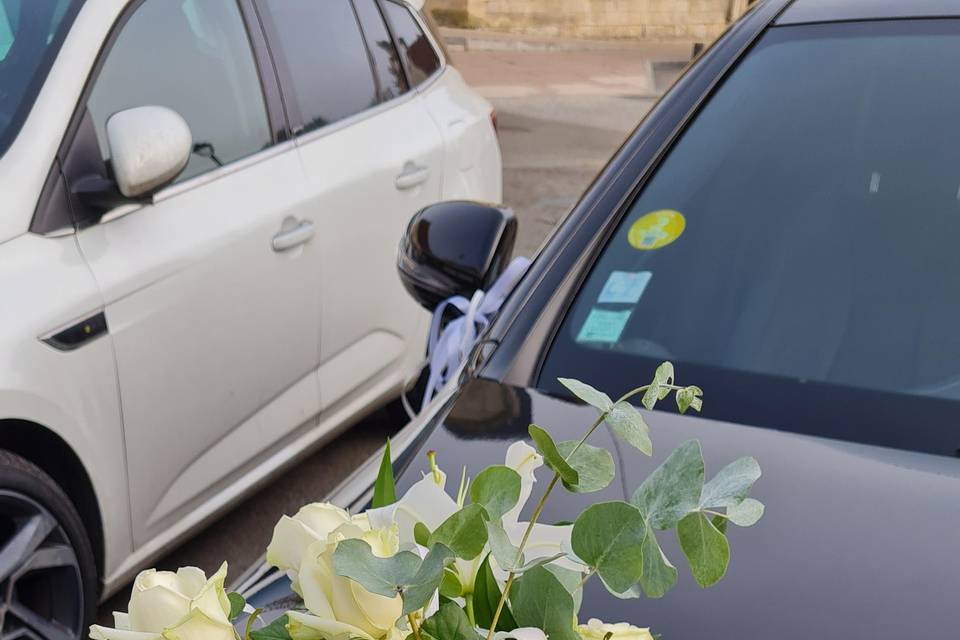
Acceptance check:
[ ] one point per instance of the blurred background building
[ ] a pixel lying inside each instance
(701, 20)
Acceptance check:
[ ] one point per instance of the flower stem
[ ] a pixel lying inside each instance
(543, 500)
(413, 626)
(468, 598)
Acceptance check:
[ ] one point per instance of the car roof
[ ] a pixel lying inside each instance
(805, 11)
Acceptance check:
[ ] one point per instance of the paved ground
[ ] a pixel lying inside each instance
(562, 113)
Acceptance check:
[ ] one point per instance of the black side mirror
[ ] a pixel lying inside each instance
(454, 248)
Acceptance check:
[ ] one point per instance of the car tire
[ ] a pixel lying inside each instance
(48, 575)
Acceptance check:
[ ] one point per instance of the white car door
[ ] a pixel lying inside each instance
(212, 291)
(373, 157)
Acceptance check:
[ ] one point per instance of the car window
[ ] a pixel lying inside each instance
(418, 54)
(386, 61)
(804, 228)
(31, 32)
(322, 47)
(194, 57)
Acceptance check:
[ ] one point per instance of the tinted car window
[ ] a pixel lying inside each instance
(418, 54)
(803, 230)
(31, 32)
(194, 57)
(386, 61)
(323, 49)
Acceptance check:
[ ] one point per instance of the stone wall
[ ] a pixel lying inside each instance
(653, 19)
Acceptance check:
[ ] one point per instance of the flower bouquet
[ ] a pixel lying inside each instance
(434, 565)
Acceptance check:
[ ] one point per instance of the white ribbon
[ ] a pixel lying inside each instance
(449, 348)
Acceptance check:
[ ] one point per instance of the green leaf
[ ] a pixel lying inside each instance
(384, 489)
(497, 489)
(745, 513)
(554, 459)
(428, 578)
(731, 484)
(449, 623)
(403, 573)
(486, 597)
(706, 549)
(421, 534)
(588, 394)
(508, 556)
(450, 586)
(571, 580)
(609, 537)
(659, 575)
(629, 425)
(463, 532)
(594, 466)
(540, 600)
(276, 630)
(689, 397)
(237, 603)
(720, 523)
(658, 389)
(673, 489)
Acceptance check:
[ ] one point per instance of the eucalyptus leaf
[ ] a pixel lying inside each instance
(745, 513)
(497, 489)
(552, 456)
(627, 422)
(609, 537)
(384, 489)
(588, 394)
(486, 597)
(384, 576)
(449, 623)
(673, 489)
(276, 630)
(689, 397)
(403, 573)
(571, 580)
(594, 466)
(540, 600)
(428, 578)
(463, 532)
(508, 556)
(658, 389)
(659, 575)
(731, 484)
(237, 603)
(705, 547)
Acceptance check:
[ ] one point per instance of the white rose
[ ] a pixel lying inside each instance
(312, 523)
(597, 630)
(173, 606)
(339, 606)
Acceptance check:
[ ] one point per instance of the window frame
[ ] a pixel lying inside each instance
(78, 151)
(438, 48)
(288, 91)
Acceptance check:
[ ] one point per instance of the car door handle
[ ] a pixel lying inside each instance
(412, 176)
(293, 237)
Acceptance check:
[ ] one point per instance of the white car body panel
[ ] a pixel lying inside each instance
(225, 360)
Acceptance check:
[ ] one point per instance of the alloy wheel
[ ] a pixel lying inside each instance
(41, 588)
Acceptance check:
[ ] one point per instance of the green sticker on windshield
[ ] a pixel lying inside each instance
(603, 326)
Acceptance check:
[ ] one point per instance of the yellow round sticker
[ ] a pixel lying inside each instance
(656, 229)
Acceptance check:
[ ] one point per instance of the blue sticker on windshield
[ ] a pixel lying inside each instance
(603, 326)
(625, 287)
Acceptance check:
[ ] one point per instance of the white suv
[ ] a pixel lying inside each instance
(200, 204)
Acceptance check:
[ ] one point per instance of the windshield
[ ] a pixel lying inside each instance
(801, 239)
(31, 32)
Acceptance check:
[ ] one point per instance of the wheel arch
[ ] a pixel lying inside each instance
(56, 458)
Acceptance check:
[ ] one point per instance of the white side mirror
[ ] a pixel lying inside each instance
(149, 147)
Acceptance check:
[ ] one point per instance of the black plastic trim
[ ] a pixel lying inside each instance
(79, 333)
